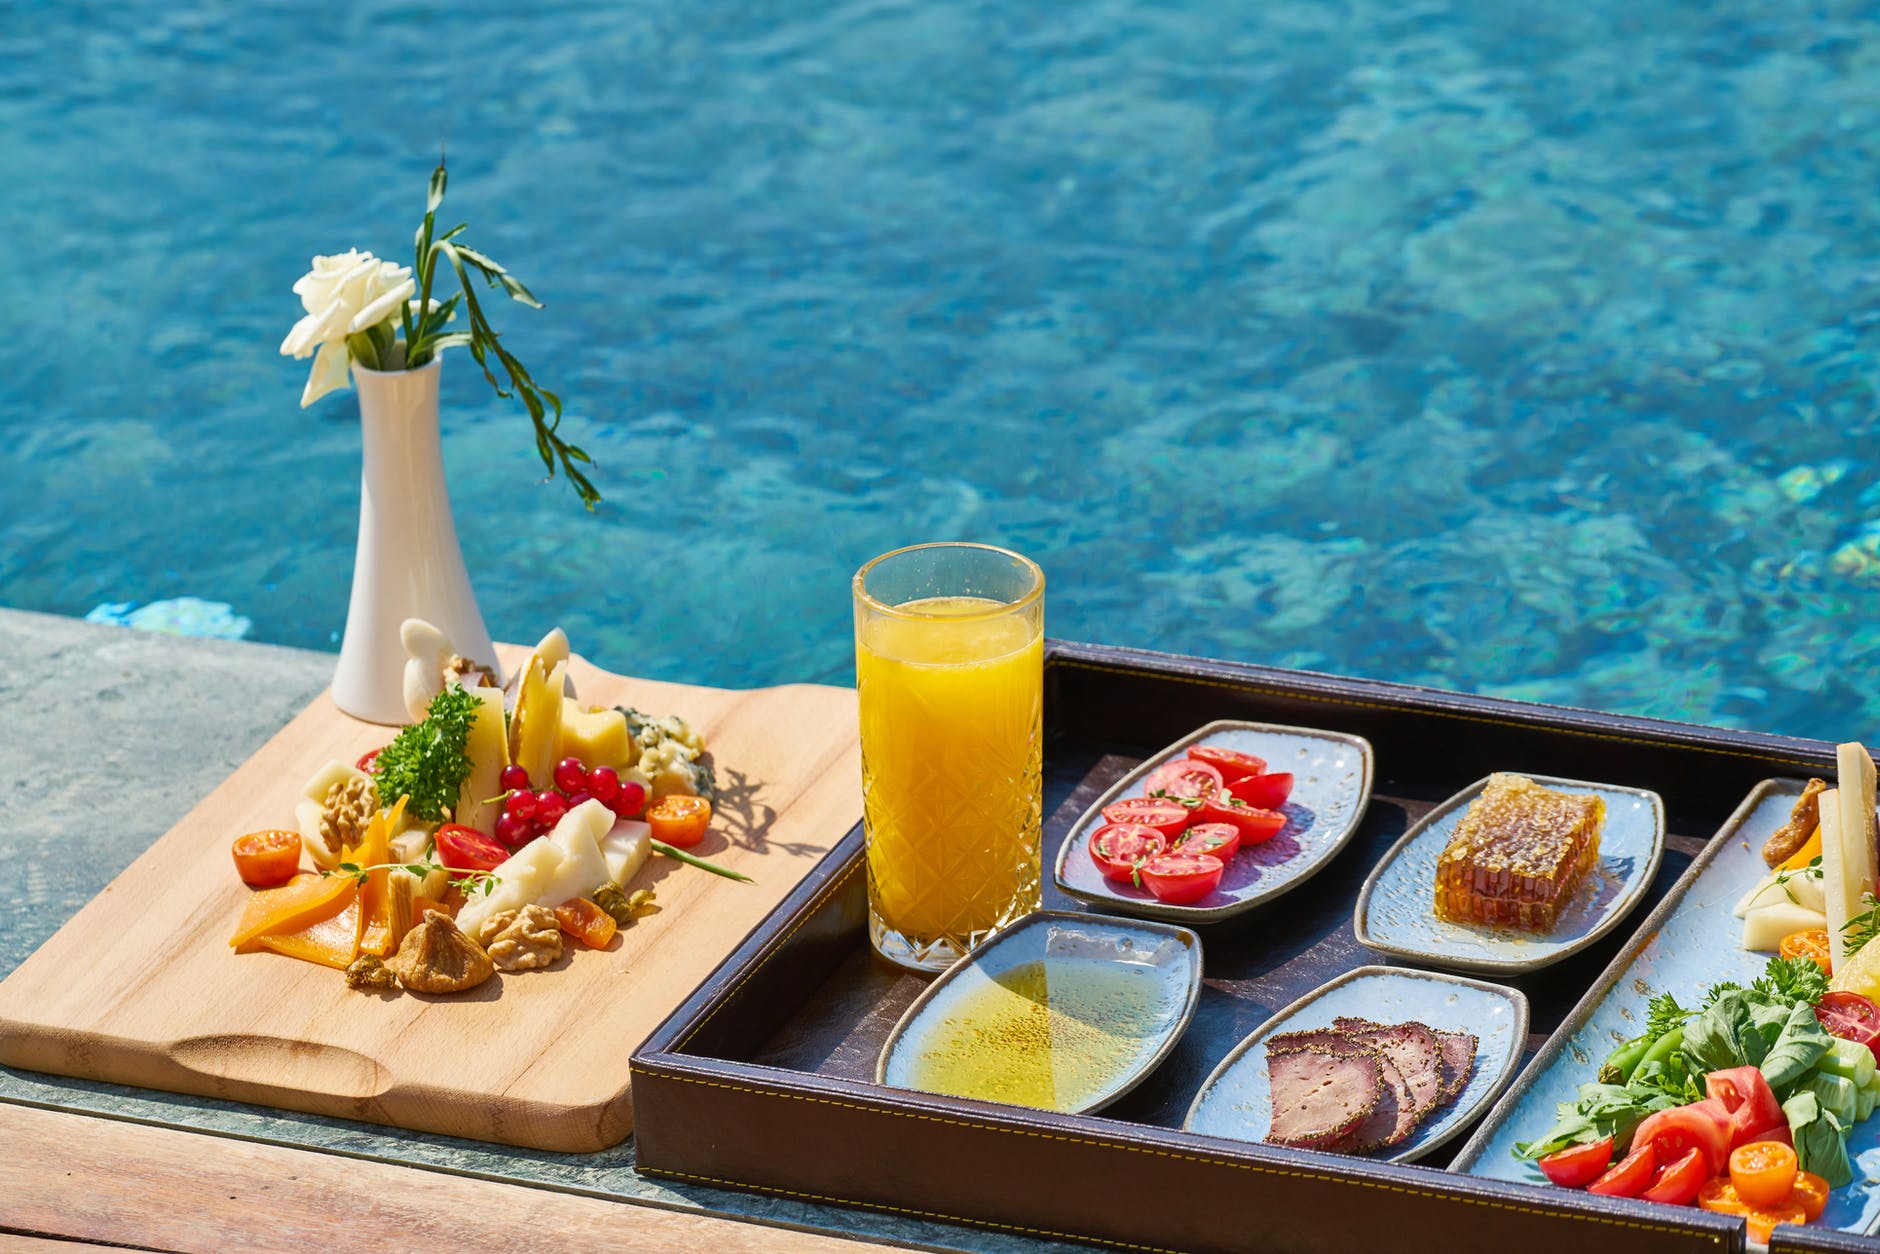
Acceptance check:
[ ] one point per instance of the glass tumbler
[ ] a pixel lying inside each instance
(949, 671)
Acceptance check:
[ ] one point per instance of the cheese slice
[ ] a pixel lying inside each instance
(519, 881)
(1798, 888)
(626, 848)
(1766, 925)
(1848, 861)
(536, 731)
(479, 799)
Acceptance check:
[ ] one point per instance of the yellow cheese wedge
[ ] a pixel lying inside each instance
(535, 733)
(488, 750)
(597, 737)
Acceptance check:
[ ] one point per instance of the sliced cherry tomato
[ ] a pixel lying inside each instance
(1763, 1172)
(1180, 880)
(1677, 1185)
(1170, 818)
(1255, 826)
(1184, 779)
(1264, 792)
(1762, 1220)
(1216, 840)
(369, 759)
(1676, 1132)
(1811, 944)
(679, 820)
(1750, 1102)
(1119, 848)
(586, 922)
(1631, 1176)
(1719, 1195)
(1850, 1017)
(1811, 1194)
(1231, 763)
(466, 849)
(1578, 1165)
(266, 859)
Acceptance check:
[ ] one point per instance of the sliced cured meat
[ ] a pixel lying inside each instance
(1415, 1049)
(1458, 1062)
(1394, 1118)
(1319, 1097)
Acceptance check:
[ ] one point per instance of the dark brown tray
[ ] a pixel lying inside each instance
(763, 1078)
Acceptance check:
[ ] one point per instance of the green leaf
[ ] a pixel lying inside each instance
(517, 291)
(1800, 1045)
(451, 339)
(363, 350)
(480, 261)
(436, 197)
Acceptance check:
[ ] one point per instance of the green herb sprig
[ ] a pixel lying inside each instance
(1662, 1014)
(1792, 980)
(426, 335)
(1860, 929)
(427, 762)
(468, 883)
(660, 846)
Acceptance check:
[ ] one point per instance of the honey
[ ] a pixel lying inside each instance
(1518, 855)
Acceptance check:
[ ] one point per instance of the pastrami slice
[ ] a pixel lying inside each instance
(1458, 1062)
(1319, 1096)
(1395, 1116)
(1415, 1049)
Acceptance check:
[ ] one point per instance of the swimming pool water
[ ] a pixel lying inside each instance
(1517, 348)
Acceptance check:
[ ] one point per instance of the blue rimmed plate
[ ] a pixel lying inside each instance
(1152, 984)
(1396, 908)
(1331, 786)
(1236, 1101)
(1691, 941)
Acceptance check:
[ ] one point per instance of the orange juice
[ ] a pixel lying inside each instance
(952, 696)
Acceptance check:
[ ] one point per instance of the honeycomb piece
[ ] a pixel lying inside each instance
(1518, 854)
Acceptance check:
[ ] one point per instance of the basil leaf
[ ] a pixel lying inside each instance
(1800, 1045)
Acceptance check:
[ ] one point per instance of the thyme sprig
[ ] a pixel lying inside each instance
(468, 883)
(1860, 929)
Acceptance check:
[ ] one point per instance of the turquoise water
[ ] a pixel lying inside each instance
(1517, 348)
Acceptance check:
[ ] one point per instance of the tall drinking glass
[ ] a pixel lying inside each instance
(949, 667)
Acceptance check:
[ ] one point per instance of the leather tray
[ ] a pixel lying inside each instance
(762, 1079)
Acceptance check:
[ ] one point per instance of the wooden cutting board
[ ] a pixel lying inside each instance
(141, 988)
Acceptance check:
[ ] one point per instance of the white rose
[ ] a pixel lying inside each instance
(342, 295)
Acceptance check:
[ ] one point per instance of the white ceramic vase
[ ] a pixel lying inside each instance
(408, 563)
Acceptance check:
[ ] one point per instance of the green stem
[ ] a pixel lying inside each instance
(660, 846)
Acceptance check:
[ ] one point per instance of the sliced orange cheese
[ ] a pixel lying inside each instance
(376, 935)
(331, 942)
(303, 900)
(1810, 850)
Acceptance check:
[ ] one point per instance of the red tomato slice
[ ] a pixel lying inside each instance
(1170, 818)
(466, 849)
(1231, 763)
(1676, 1132)
(1631, 1176)
(1850, 1017)
(1119, 848)
(1183, 779)
(1216, 840)
(369, 759)
(1253, 825)
(1264, 792)
(1677, 1185)
(1752, 1104)
(1178, 880)
(1578, 1165)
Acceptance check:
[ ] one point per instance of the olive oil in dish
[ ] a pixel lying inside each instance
(1056, 1034)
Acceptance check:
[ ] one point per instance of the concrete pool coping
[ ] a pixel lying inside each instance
(112, 735)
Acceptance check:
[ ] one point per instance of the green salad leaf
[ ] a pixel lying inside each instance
(1820, 1141)
(1799, 1045)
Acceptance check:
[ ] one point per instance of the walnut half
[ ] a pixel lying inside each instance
(347, 809)
(436, 957)
(521, 940)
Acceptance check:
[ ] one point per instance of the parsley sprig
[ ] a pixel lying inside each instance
(1662, 1014)
(427, 761)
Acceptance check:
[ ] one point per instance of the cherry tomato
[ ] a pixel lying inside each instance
(369, 759)
(586, 922)
(1752, 1106)
(1850, 1017)
(266, 859)
(1811, 944)
(1168, 817)
(1763, 1172)
(1183, 779)
(1811, 1194)
(1676, 1132)
(679, 820)
(1216, 840)
(466, 849)
(1719, 1195)
(1631, 1176)
(1178, 880)
(1578, 1165)
(1677, 1185)
(1762, 1220)
(1264, 792)
(1255, 826)
(1231, 763)
(1119, 848)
